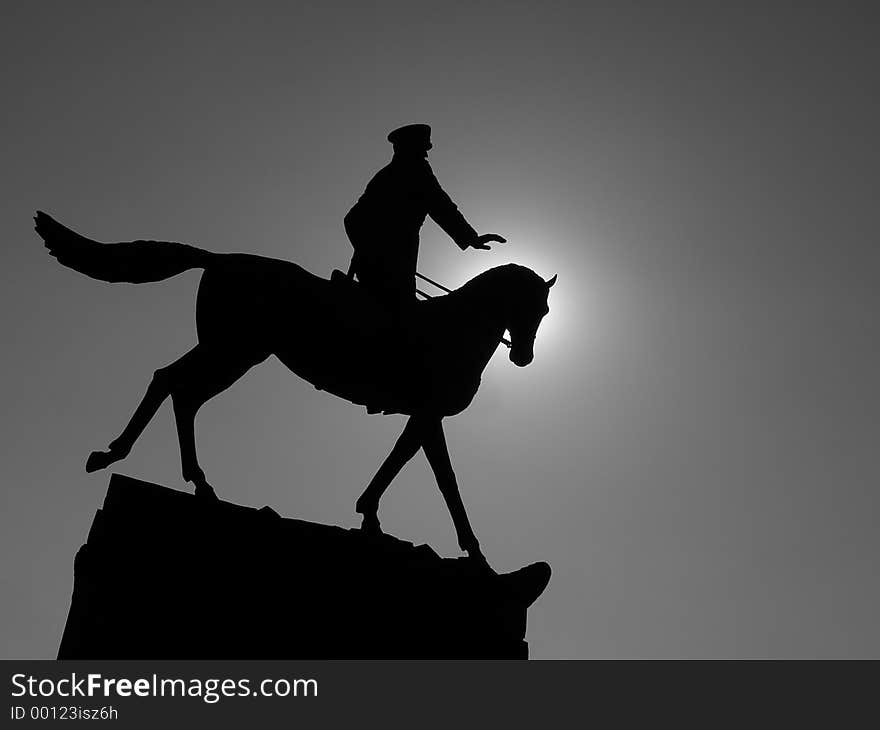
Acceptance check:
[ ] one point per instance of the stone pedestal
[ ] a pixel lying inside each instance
(166, 575)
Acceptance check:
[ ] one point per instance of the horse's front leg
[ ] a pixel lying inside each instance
(407, 445)
(434, 443)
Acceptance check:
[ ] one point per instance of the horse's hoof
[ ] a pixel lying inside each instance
(482, 566)
(206, 491)
(100, 460)
(370, 525)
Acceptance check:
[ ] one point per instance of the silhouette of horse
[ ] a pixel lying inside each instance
(425, 363)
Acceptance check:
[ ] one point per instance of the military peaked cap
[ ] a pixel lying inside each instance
(415, 135)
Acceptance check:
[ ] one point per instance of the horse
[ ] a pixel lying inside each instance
(424, 361)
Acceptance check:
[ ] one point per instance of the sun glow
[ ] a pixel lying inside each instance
(563, 300)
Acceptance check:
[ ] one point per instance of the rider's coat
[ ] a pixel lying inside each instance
(383, 225)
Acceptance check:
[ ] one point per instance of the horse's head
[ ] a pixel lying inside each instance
(527, 306)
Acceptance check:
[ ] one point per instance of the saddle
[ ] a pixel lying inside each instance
(379, 358)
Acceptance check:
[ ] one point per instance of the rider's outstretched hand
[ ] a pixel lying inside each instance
(482, 242)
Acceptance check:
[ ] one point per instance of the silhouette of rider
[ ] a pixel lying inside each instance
(383, 225)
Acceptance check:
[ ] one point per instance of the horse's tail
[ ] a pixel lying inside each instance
(134, 262)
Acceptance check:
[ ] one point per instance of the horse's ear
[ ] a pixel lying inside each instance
(551, 282)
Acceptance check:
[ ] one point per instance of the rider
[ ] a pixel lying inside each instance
(383, 225)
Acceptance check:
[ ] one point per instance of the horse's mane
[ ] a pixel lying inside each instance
(491, 282)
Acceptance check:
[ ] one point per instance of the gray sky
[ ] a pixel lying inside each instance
(694, 449)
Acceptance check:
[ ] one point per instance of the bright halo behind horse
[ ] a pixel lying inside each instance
(552, 331)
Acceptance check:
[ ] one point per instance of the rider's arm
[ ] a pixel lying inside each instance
(446, 214)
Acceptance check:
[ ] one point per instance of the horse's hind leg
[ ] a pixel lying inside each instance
(198, 376)
(158, 390)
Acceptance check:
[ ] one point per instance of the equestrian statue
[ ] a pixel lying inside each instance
(368, 341)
